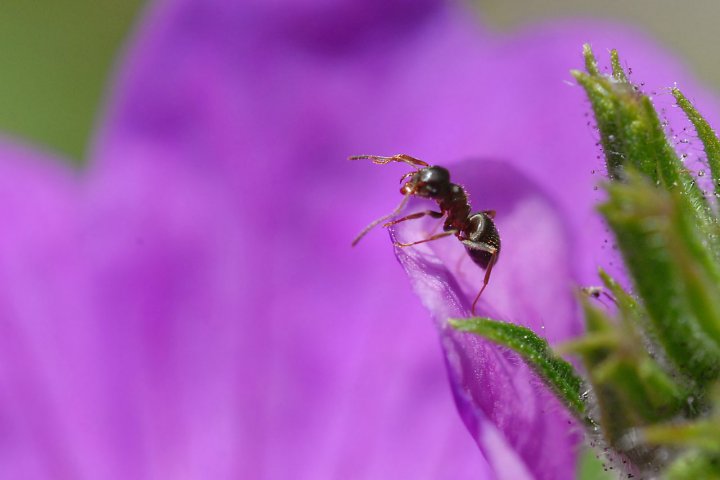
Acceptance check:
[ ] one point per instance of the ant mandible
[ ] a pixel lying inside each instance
(476, 231)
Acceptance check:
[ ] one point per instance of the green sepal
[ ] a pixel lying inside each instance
(698, 439)
(630, 388)
(643, 386)
(651, 362)
(614, 418)
(624, 300)
(631, 312)
(592, 466)
(702, 434)
(632, 135)
(673, 271)
(557, 373)
(706, 134)
(591, 65)
(694, 465)
(617, 71)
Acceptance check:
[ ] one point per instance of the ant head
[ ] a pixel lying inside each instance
(428, 182)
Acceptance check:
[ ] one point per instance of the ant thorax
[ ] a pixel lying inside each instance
(457, 208)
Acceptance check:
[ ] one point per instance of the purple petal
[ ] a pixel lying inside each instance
(506, 408)
(194, 309)
(41, 312)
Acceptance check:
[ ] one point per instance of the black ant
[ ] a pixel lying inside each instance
(476, 231)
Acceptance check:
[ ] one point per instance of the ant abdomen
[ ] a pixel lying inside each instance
(481, 229)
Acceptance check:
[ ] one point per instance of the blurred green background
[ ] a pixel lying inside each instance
(56, 56)
(688, 29)
(55, 59)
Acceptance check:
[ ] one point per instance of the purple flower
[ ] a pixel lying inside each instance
(189, 307)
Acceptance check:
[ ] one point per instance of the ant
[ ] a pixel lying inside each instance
(476, 231)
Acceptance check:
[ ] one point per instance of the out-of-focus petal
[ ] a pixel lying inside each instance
(42, 314)
(506, 408)
(336, 376)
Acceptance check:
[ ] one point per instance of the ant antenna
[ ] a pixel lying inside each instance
(397, 210)
(400, 157)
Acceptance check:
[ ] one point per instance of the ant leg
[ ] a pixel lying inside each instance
(437, 225)
(488, 270)
(415, 215)
(429, 239)
(397, 210)
(490, 266)
(400, 157)
(459, 263)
